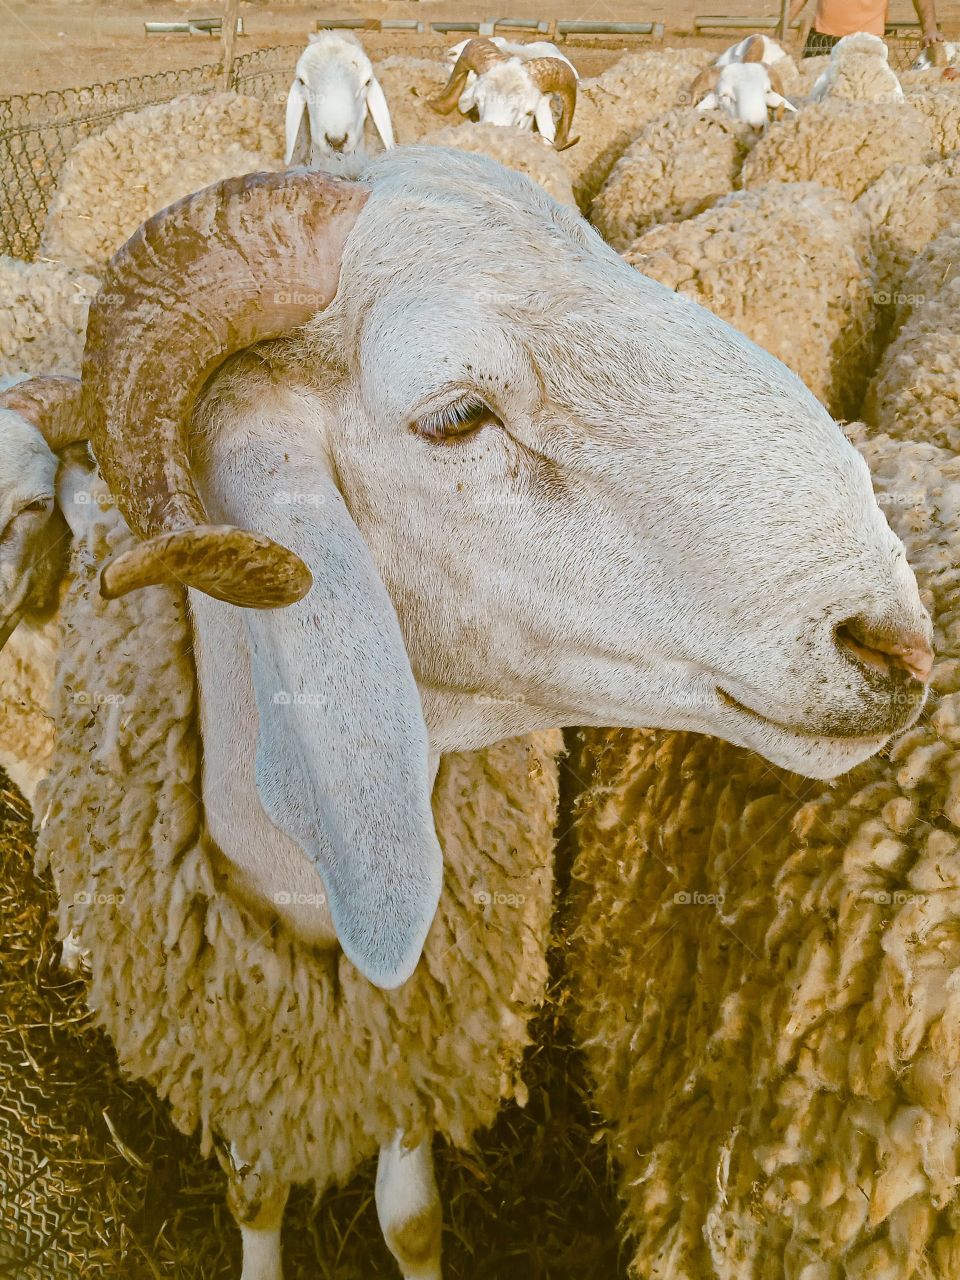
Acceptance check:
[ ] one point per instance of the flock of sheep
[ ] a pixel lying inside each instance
(762, 972)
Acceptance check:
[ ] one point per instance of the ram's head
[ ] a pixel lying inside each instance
(489, 479)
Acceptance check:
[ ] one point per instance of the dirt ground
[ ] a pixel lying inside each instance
(51, 44)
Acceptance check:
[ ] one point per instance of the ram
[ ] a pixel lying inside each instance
(263, 917)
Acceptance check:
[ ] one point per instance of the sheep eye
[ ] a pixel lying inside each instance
(456, 420)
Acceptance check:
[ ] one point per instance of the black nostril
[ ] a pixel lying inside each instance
(886, 649)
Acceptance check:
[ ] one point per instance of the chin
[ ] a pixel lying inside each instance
(813, 757)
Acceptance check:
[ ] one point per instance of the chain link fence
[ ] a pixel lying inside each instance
(38, 130)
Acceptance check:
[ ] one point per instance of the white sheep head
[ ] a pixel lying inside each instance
(491, 480)
(511, 91)
(744, 90)
(333, 90)
(37, 417)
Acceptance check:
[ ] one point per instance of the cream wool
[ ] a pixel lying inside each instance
(681, 163)
(942, 110)
(115, 180)
(791, 266)
(846, 145)
(286, 1052)
(910, 205)
(407, 83)
(858, 71)
(614, 107)
(764, 976)
(516, 148)
(915, 394)
(43, 316)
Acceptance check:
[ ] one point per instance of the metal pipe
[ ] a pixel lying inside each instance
(589, 28)
(741, 24)
(195, 27)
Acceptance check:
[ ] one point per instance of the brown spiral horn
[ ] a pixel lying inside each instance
(242, 261)
(477, 56)
(553, 75)
(52, 403)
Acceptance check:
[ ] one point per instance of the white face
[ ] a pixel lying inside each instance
(30, 527)
(505, 95)
(743, 91)
(335, 80)
(596, 502)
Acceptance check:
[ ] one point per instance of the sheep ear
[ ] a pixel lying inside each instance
(342, 763)
(778, 100)
(709, 103)
(297, 120)
(380, 112)
(544, 118)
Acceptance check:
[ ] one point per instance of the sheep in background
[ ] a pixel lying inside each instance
(614, 107)
(763, 975)
(43, 316)
(755, 48)
(762, 490)
(746, 91)
(409, 84)
(509, 90)
(907, 207)
(525, 52)
(915, 393)
(678, 166)
(933, 58)
(812, 308)
(334, 90)
(515, 148)
(858, 71)
(846, 145)
(114, 180)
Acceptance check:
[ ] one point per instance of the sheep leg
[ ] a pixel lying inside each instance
(408, 1206)
(256, 1200)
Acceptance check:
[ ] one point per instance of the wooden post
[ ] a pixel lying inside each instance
(783, 30)
(228, 34)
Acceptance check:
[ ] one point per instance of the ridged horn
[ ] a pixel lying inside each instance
(477, 56)
(242, 261)
(553, 75)
(52, 403)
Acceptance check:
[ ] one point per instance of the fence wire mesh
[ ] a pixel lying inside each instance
(38, 130)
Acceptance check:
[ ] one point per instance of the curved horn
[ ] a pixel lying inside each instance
(553, 75)
(477, 56)
(52, 403)
(706, 82)
(242, 261)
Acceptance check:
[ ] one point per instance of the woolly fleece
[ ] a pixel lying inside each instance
(811, 307)
(43, 316)
(115, 180)
(764, 974)
(681, 163)
(285, 1051)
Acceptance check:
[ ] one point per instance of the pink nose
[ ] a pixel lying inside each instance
(884, 650)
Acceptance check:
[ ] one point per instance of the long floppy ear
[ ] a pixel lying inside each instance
(342, 751)
(380, 112)
(544, 118)
(342, 762)
(775, 100)
(709, 103)
(297, 126)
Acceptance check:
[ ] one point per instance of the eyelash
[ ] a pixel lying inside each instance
(456, 420)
